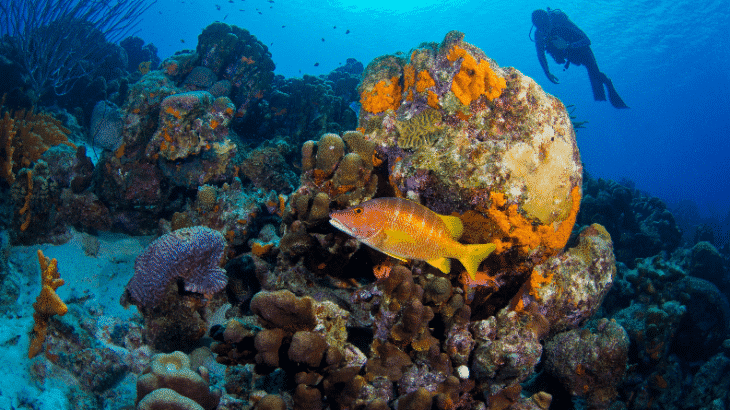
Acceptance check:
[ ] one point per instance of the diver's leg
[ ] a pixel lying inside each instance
(584, 56)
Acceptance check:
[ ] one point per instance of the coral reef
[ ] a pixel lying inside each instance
(193, 124)
(640, 225)
(575, 281)
(34, 196)
(303, 316)
(591, 361)
(233, 54)
(304, 108)
(47, 304)
(267, 168)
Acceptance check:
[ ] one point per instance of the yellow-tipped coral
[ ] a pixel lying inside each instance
(474, 79)
(46, 304)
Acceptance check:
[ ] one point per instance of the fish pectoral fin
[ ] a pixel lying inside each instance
(394, 237)
(442, 264)
(453, 225)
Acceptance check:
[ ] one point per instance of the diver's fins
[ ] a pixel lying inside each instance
(613, 96)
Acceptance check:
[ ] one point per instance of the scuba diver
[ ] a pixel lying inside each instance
(567, 44)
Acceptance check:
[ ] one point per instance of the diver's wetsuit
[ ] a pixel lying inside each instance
(567, 43)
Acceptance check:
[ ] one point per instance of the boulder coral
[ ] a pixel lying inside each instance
(334, 169)
(172, 371)
(590, 362)
(234, 54)
(459, 133)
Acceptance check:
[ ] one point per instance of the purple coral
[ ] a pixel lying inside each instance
(192, 254)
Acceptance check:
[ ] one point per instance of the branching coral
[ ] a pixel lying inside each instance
(46, 304)
(474, 79)
(53, 41)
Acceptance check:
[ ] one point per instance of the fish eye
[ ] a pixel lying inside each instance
(357, 210)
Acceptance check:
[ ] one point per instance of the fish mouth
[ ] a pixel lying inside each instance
(339, 225)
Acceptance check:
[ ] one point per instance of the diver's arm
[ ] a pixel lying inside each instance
(540, 47)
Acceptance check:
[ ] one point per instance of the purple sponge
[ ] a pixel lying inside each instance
(192, 254)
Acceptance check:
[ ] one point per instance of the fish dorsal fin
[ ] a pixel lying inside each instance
(453, 225)
(442, 264)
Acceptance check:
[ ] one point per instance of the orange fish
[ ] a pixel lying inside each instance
(407, 230)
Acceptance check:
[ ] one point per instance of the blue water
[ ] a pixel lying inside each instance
(668, 60)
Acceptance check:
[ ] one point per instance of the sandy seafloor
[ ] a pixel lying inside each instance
(95, 282)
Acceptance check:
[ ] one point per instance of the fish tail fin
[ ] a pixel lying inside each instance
(473, 255)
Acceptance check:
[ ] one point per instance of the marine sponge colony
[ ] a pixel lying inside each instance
(301, 315)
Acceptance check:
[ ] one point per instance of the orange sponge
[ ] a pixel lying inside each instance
(384, 96)
(474, 79)
(528, 237)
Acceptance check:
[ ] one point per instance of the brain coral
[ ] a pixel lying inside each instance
(191, 254)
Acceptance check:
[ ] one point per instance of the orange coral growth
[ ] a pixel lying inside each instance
(166, 135)
(660, 382)
(261, 250)
(433, 99)
(7, 132)
(144, 67)
(282, 205)
(119, 153)
(171, 68)
(175, 113)
(26, 206)
(385, 96)
(474, 79)
(461, 116)
(213, 124)
(46, 304)
(409, 80)
(24, 136)
(424, 81)
(528, 236)
(537, 281)
(382, 271)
